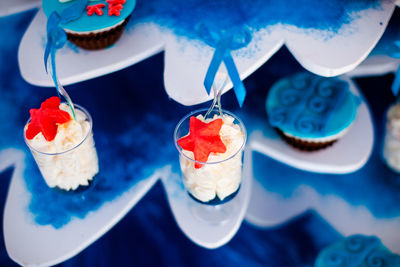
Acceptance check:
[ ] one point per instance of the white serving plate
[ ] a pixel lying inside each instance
(332, 56)
(337, 159)
(74, 64)
(270, 209)
(326, 56)
(31, 244)
(43, 245)
(375, 65)
(191, 216)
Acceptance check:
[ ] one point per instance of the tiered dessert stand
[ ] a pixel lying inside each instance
(318, 55)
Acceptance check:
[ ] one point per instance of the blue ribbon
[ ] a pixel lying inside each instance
(396, 83)
(56, 36)
(224, 42)
(395, 52)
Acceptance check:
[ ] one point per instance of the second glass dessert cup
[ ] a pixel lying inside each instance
(73, 168)
(213, 185)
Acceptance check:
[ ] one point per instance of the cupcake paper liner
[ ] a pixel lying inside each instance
(304, 145)
(100, 40)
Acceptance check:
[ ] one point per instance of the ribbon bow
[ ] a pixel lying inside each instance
(56, 36)
(224, 42)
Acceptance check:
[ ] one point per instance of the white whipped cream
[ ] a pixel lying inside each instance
(391, 148)
(216, 179)
(66, 162)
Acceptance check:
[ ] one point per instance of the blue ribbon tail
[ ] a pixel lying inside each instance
(396, 83)
(213, 68)
(51, 28)
(238, 86)
(53, 70)
(47, 53)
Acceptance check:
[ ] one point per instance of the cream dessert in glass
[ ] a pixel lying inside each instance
(211, 153)
(63, 147)
(391, 145)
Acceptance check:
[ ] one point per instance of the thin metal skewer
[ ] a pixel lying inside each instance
(61, 90)
(220, 81)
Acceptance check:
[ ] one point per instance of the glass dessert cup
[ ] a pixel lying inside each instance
(71, 170)
(390, 143)
(212, 186)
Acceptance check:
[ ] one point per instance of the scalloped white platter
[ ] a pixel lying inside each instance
(337, 159)
(312, 49)
(74, 64)
(209, 226)
(324, 56)
(44, 245)
(16, 6)
(269, 209)
(375, 65)
(41, 245)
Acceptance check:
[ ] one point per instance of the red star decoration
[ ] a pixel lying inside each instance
(115, 6)
(203, 139)
(46, 119)
(95, 9)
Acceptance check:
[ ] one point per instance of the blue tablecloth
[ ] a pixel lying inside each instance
(148, 234)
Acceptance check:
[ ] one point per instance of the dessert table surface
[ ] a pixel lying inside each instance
(133, 124)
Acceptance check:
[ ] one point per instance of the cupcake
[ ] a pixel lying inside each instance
(357, 251)
(100, 24)
(211, 156)
(63, 147)
(311, 112)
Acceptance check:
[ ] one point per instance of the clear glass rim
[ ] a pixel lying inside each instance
(241, 125)
(66, 151)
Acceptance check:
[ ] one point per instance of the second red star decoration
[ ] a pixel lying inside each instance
(203, 139)
(46, 119)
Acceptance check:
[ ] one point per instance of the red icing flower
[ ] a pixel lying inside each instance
(95, 9)
(115, 6)
(46, 119)
(203, 139)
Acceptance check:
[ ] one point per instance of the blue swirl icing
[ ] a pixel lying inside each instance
(310, 106)
(357, 251)
(85, 22)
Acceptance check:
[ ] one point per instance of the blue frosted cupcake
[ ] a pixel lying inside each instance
(101, 22)
(311, 112)
(357, 251)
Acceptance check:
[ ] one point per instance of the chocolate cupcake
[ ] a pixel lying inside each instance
(311, 112)
(100, 25)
